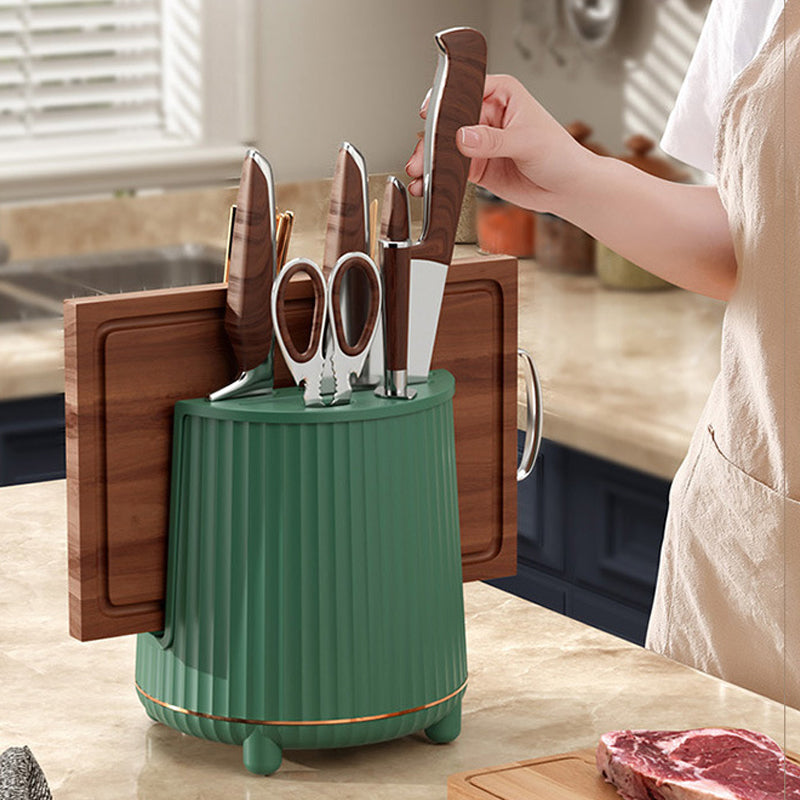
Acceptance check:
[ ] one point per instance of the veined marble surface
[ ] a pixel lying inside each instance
(539, 684)
(625, 374)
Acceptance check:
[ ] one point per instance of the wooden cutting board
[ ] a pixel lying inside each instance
(569, 776)
(129, 358)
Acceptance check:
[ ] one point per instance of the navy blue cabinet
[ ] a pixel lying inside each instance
(589, 537)
(32, 439)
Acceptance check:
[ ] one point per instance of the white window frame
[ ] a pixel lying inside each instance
(230, 29)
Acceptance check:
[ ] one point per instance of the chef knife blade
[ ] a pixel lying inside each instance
(455, 101)
(248, 321)
(395, 242)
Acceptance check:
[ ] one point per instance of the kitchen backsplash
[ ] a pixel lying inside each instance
(154, 220)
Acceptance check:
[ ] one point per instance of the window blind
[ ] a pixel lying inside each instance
(99, 70)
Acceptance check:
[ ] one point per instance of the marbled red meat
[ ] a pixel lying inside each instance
(703, 764)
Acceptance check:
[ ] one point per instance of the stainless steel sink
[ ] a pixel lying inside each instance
(13, 309)
(42, 284)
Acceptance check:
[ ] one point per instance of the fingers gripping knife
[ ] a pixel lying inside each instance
(328, 350)
(456, 100)
(250, 275)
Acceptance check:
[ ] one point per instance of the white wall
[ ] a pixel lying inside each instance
(357, 70)
(629, 88)
(331, 70)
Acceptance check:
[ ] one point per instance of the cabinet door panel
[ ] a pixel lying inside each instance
(540, 510)
(32, 440)
(615, 522)
(608, 615)
(532, 584)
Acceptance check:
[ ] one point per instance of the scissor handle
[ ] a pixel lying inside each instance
(279, 308)
(364, 263)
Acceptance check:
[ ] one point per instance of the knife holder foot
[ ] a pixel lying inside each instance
(314, 593)
(260, 754)
(446, 729)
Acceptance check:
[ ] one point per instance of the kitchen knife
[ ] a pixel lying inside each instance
(248, 321)
(455, 101)
(347, 232)
(395, 245)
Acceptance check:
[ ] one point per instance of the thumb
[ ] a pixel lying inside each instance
(484, 141)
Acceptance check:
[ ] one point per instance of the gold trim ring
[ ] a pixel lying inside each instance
(372, 718)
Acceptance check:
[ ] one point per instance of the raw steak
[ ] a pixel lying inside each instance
(703, 764)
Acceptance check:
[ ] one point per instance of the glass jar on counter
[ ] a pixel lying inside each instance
(613, 270)
(504, 227)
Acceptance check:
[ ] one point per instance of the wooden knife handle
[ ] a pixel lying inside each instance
(459, 103)
(348, 231)
(347, 216)
(394, 215)
(396, 287)
(396, 266)
(248, 321)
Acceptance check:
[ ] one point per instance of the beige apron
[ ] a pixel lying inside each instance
(727, 599)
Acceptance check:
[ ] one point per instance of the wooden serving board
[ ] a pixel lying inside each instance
(129, 358)
(569, 776)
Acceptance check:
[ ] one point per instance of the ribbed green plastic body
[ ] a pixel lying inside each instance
(314, 580)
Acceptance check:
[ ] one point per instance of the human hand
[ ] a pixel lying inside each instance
(518, 151)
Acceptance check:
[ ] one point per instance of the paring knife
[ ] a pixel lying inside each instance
(248, 321)
(395, 244)
(456, 100)
(348, 232)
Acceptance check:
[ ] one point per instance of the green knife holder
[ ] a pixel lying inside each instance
(314, 594)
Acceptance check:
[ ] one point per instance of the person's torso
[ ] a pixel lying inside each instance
(757, 396)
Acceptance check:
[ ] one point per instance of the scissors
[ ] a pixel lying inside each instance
(344, 359)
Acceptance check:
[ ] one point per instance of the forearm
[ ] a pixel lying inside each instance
(676, 231)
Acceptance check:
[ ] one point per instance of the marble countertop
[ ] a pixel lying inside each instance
(625, 374)
(539, 684)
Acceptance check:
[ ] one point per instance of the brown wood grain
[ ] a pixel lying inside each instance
(477, 342)
(347, 232)
(129, 358)
(247, 319)
(568, 776)
(395, 224)
(317, 318)
(396, 269)
(460, 105)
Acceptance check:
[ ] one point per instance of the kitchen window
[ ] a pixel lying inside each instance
(98, 96)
